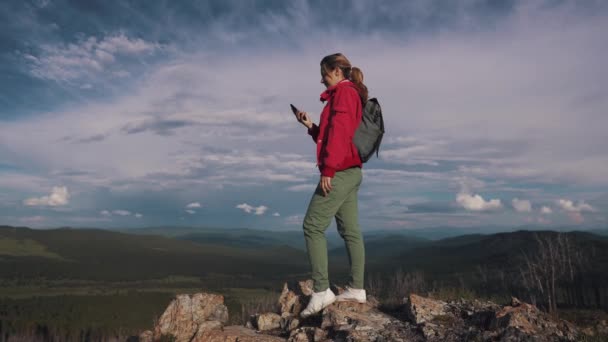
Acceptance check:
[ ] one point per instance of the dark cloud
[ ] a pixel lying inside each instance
(432, 207)
(71, 173)
(96, 137)
(158, 126)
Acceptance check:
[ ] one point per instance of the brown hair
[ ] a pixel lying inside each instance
(354, 74)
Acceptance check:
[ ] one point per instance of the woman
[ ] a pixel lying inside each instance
(340, 167)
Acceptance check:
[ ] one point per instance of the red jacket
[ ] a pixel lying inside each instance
(334, 135)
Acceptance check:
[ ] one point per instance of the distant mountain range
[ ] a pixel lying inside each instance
(241, 237)
(149, 253)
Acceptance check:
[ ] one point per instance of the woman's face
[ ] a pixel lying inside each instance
(331, 77)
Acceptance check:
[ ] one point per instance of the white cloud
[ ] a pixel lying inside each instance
(33, 219)
(568, 205)
(521, 205)
(59, 196)
(120, 212)
(85, 58)
(546, 210)
(573, 211)
(190, 211)
(120, 43)
(294, 219)
(194, 205)
(260, 210)
(476, 202)
(302, 187)
(246, 207)
(276, 214)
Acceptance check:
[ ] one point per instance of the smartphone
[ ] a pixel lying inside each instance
(294, 109)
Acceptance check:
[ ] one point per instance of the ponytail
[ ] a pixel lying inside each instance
(356, 76)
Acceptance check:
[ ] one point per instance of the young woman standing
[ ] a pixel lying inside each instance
(341, 176)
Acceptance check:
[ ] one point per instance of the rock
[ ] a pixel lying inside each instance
(235, 333)
(515, 302)
(602, 327)
(289, 322)
(308, 334)
(351, 321)
(204, 328)
(200, 317)
(295, 296)
(526, 321)
(476, 313)
(267, 321)
(186, 316)
(372, 301)
(454, 321)
(421, 309)
(146, 336)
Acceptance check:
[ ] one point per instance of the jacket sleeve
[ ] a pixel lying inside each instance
(340, 130)
(314, 132)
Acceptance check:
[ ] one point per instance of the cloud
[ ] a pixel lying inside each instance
(569, 206)
(477, 203)
(93, 138)
(120, 43)
(194, 205)
(546, 210)
(276, 214)
(543, 220)
(302, 188)
(119, 212)
(249, 209)
(85, 58)
(573, 211)
(59, 196)
(260, 210)
(197, 121)
(294, 219)
(32, 219)
(521, 206)
(429, 207)
(158, 126)
(190, 211)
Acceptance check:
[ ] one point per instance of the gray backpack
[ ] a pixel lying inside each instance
(370, 131)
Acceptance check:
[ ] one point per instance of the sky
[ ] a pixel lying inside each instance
(118, 114)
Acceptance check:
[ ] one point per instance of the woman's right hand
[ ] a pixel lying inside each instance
(304, 119)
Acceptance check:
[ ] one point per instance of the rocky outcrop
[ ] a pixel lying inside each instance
(188, 316)
(486, 321)
(202, 317)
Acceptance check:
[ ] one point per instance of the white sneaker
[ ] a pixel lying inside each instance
(350, 294)
(318, 302)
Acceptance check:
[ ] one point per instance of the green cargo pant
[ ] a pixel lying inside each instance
(340, 202)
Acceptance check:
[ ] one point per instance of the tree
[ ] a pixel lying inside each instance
(556, 260)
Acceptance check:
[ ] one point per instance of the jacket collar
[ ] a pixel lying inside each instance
(326, 95)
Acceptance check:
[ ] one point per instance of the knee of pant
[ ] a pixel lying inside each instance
(309, 227)
(348, 232)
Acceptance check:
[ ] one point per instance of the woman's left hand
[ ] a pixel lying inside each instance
(325, 184)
